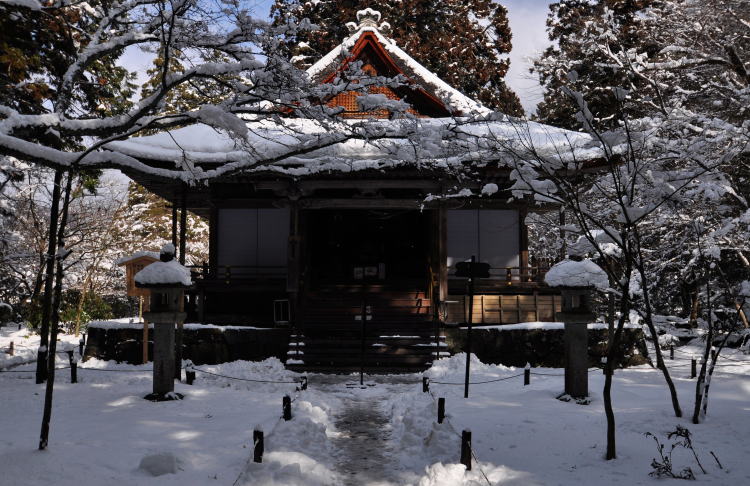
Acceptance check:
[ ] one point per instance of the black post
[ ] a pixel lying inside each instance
(189, 372)
(713, 352)
(11, 351)
(81, 344)
(258, 446)
(693, 368)
(527, 375)
(441, 410)
(425, 384)
(286, 405)
(73, 368)
(303, 386)
(468, 331)
(466, 449)
(362, 350)
(671, 351)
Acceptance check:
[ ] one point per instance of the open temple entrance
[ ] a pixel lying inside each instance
(367, 300)
(351, 246)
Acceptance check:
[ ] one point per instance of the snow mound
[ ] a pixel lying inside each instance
(164, 273)
(571, 273)
(455, 367)
(159, 464)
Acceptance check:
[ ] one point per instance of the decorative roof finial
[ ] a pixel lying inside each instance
(368, 18)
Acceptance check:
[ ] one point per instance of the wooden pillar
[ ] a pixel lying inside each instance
(183, 224)
(179, 333)
(213, 242)
(523, 235)
(294, 263)
(174, 224)
(442, 253)
(564, 246)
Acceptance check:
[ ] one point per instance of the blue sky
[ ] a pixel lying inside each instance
(527, 22)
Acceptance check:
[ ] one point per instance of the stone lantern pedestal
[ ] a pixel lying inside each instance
(576, 280)
(576, 315)
(167, 281)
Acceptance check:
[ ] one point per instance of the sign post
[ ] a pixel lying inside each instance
(470, 270)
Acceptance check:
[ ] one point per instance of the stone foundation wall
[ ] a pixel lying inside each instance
(542, 347)
(204, 345)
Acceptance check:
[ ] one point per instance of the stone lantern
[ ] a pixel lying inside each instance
(167, 281)
(576, 281)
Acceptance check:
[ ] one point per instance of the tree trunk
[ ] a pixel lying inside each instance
(41, 359)
(652, 329)
(612, 347)
(55, 321)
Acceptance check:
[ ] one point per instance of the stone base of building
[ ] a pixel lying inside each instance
(514, 346)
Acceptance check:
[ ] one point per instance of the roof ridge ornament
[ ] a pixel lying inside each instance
(368, 18)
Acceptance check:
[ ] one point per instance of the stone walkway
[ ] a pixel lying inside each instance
(365, 453)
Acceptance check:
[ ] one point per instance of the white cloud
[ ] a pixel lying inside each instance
(527, 23)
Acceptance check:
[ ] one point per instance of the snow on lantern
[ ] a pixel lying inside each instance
(167, 281)
(576, 281)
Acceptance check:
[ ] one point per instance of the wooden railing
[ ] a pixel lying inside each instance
(513, 275)
(230, 273)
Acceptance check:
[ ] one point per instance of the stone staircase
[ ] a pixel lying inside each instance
(398, 335)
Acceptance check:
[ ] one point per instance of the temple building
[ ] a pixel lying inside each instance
(364, 234)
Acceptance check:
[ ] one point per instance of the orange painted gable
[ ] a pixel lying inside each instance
(377, 62)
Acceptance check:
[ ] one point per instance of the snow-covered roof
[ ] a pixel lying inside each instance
(571, 273)
(474, 138)
(164, 274)
(454, 100)
(136, 255)
(437, 141)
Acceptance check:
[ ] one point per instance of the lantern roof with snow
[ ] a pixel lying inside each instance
(166, 273)
(577, 274)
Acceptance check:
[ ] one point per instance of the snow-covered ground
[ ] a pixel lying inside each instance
(25, 345)
(381, 435)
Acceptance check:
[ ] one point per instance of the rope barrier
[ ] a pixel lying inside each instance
(245, 379)
(453, 430)
(115, 371)
(477, 382)
(29, 371)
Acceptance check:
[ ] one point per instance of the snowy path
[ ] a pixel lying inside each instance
(364, 450)
(364, 453)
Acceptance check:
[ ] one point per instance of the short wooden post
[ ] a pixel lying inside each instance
(286, 405)
(257, 446)
(693, 368)
(441, 410)
(713, 352)
(189, 372)
(81, 344)
(73, 367)
(11, 350)
(303, 386)
(466, 449)
(527, 374)
(671, 352)
(425, 384)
